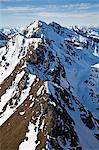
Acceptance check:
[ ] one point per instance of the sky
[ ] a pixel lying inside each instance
(17, 13)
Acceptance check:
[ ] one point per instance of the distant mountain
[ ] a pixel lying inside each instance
(49, 88)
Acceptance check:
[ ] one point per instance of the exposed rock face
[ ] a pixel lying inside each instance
(49, 89)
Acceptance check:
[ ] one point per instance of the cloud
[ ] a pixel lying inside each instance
(21, 9)
(76, 6)
(84, 5)
(65, 11)
(66, 14)
(55, 8)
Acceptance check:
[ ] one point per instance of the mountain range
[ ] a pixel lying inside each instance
(49, 88)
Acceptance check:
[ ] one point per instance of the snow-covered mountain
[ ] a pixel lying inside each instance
(49, 88)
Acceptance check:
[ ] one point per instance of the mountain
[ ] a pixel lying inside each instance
(49, 88)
